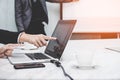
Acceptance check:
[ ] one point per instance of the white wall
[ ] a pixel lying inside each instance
(94, 15)
(54, 16)
(92, 8)
(7, 18)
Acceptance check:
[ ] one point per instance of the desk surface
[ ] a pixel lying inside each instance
(107, 63)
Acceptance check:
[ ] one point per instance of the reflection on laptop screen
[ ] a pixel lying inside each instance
(62, 32)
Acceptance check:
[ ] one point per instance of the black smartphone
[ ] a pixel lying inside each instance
(28, 65)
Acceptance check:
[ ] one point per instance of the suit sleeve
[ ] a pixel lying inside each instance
(8, 37)
(19, 15)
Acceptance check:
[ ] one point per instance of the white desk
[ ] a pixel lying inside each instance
(108, 64)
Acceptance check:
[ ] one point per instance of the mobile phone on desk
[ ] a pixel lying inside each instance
(28, 65)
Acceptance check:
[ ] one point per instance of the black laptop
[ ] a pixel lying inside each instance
(55, 48)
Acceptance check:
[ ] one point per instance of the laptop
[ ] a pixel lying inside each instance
(54, 49)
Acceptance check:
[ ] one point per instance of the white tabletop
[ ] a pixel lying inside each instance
(107, 63)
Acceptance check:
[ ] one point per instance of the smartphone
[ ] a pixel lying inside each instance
(28, 65)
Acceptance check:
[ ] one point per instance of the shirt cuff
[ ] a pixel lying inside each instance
(18, 39)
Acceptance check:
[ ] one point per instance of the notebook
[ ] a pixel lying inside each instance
(54, 49)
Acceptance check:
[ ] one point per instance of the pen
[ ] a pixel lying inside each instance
(112, 50)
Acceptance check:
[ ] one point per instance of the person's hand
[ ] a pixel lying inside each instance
(38, 40)
(6, 50)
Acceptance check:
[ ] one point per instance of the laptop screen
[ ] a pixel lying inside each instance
(62, 32)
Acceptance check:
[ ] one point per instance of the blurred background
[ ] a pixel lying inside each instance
(95, 18)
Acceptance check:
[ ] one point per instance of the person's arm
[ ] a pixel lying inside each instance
(8, 37)
(38, 40)
(18, 15)
(59, 1)
(6, 50)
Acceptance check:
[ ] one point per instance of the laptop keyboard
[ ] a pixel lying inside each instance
(35, 56)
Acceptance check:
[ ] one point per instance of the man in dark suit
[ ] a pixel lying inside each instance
(30, 15)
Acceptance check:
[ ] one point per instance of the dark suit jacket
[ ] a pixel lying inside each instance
(8, 37)
(23, 12)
